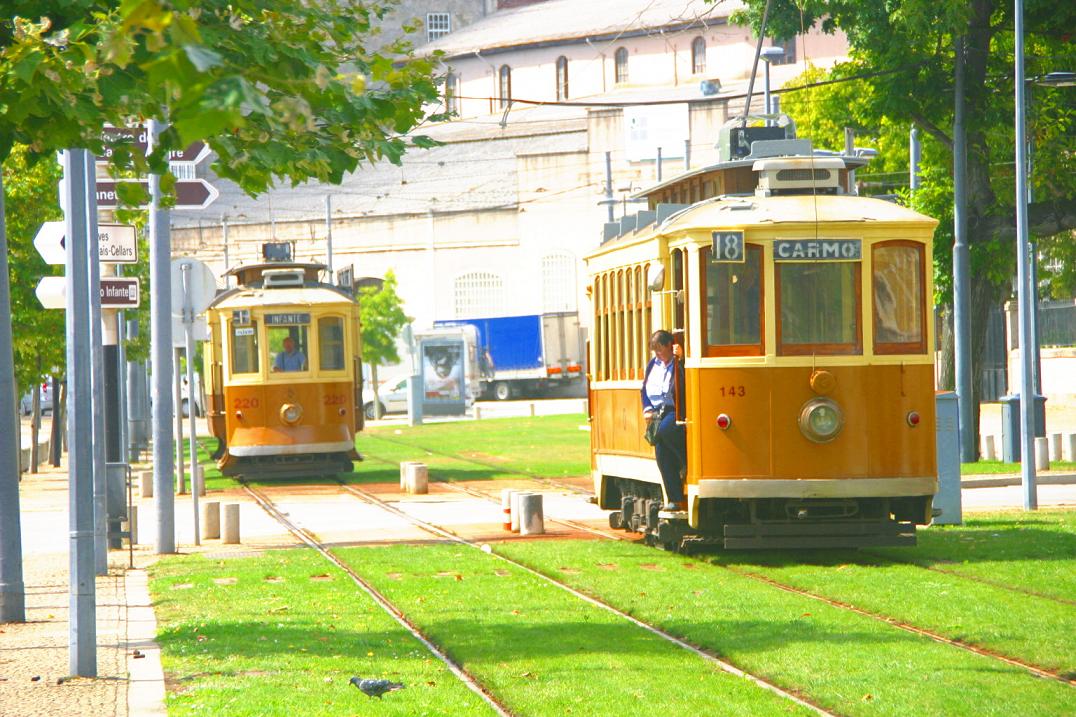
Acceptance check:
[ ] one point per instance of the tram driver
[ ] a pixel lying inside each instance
(663, 381)
(290, 359)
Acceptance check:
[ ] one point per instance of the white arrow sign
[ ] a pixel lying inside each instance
(117, 243)
(49, 243)
(52, 290)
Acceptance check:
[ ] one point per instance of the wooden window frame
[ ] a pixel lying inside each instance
(713, 350)
(908, 347)
(827, 349)
(504, 86)
(698, 59)
(620, 66)
(561, 78)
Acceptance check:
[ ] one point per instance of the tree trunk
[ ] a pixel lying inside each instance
(946, 350)
(56, 429)
(373, 388)
(35, 423)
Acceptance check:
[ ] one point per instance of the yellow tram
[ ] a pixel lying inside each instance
(284, 373)
(802, 314)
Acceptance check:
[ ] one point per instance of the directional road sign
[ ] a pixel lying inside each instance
(117, 292)
(195, 152)
(117, 243)
(190, 193)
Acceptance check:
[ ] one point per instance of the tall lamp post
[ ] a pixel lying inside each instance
(768, 55)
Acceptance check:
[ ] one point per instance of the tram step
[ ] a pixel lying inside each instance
(819, 535)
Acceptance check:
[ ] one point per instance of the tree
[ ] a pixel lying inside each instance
(382, 316)
(904, 51)
(281, 90)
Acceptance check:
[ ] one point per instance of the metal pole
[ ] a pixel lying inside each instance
(1036, 366)
(188, 331)
(962, 267)
(659, 164)
(329, 233)
(915, 153)
(160, 279)
(224, 228)
(609, 183)
(766, 91)
(1023, 273)
(849, 150)
(177, 422)
(92, 314)
(12, 588)
(82, 625)
(687, 154)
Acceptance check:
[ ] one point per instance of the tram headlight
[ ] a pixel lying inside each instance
(821, 419)
(290, 413)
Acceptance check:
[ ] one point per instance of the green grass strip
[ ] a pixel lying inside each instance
(282, 634)
(1029, 551)
(1001, 468)
(543, 651)
(848, 663)
(1036, 630)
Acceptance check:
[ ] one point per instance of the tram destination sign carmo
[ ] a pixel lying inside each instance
(821, 249)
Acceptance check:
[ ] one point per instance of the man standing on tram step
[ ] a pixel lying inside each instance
(289, 359)
(663, 402)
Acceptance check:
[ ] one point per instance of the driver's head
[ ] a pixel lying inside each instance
(289, 344)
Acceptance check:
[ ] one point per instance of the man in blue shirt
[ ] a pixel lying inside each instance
(290, 359)
(662, 402)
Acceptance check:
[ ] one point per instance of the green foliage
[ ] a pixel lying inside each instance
(30, 199)
(382, 315)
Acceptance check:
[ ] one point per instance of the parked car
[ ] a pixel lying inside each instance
(26, 404)
(391, 394)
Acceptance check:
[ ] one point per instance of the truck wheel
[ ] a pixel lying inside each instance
(502, 391)
(368, 410)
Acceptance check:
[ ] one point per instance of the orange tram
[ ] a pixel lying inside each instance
(284, 373)
(801, 312)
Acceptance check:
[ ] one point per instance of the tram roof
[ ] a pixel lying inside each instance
(248, 297)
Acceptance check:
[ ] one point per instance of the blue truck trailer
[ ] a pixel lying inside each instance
(526, 355)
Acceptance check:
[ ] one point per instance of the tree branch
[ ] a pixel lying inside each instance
(933, 130)
(1043, 219)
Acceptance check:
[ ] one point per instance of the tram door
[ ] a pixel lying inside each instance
(679, 261)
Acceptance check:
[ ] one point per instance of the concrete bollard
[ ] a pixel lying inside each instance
(210, 519)
(532, 409)
(418, 477)
(516, 496)
(198, 476)
(531, 517)
(404, 465)
(990, 450)
(131, 525)
(231, 523)
(1042, 455)
(478, 413)
(1069, 446)
(506, 508)
(146, 483)
(1055, 447)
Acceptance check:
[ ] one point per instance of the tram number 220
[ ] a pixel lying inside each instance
(733, 391)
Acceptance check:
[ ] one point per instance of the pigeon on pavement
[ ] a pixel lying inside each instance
(375, 688)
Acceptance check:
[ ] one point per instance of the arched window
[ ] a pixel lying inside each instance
(504, 85)
(558, 282)
(562, 78)
(621, 61)
(479, 293)
(698, 56)
(452, 93)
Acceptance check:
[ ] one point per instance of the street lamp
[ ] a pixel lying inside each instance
(768, 55)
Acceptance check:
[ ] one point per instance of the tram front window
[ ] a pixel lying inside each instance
(288, 345)
(819, 308)
(898, 298)
(733, 318)
(245, 349)
(331, 344)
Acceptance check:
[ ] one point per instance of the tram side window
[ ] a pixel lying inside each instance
(897, 278)
(331, 343)
(819, 308)
(289, 348)
(245, 349)
(733, 309)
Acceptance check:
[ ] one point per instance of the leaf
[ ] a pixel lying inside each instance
(202, 58)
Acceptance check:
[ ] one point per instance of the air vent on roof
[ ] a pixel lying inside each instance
(792, 174)
(278, 278)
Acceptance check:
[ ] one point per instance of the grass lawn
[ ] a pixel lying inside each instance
(282, 634)
(543, 651)
(1002, 468)
(849, 663)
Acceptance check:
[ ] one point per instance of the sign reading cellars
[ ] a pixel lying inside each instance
(822, 249)
(286, 319)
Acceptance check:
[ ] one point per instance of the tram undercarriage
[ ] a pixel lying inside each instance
(775, 523)
(287, 466)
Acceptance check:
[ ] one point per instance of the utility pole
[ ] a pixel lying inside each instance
(92, 315)
(961, 266)
(329, 233)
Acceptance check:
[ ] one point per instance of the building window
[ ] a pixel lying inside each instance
(504, 85)
(479, 293)
(620, 59)
(438, 24)
(452, 93)
(698, 56)
(562, 78)
(789, 47)
(558, 282)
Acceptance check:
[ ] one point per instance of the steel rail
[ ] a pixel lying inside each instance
(305, 536)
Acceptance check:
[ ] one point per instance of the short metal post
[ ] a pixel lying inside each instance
(531, 518)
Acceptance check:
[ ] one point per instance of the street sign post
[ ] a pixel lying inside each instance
(190, 193)
(117, 243)
(117, 292)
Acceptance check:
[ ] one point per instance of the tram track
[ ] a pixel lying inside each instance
(398, 615)
(1037, 670)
